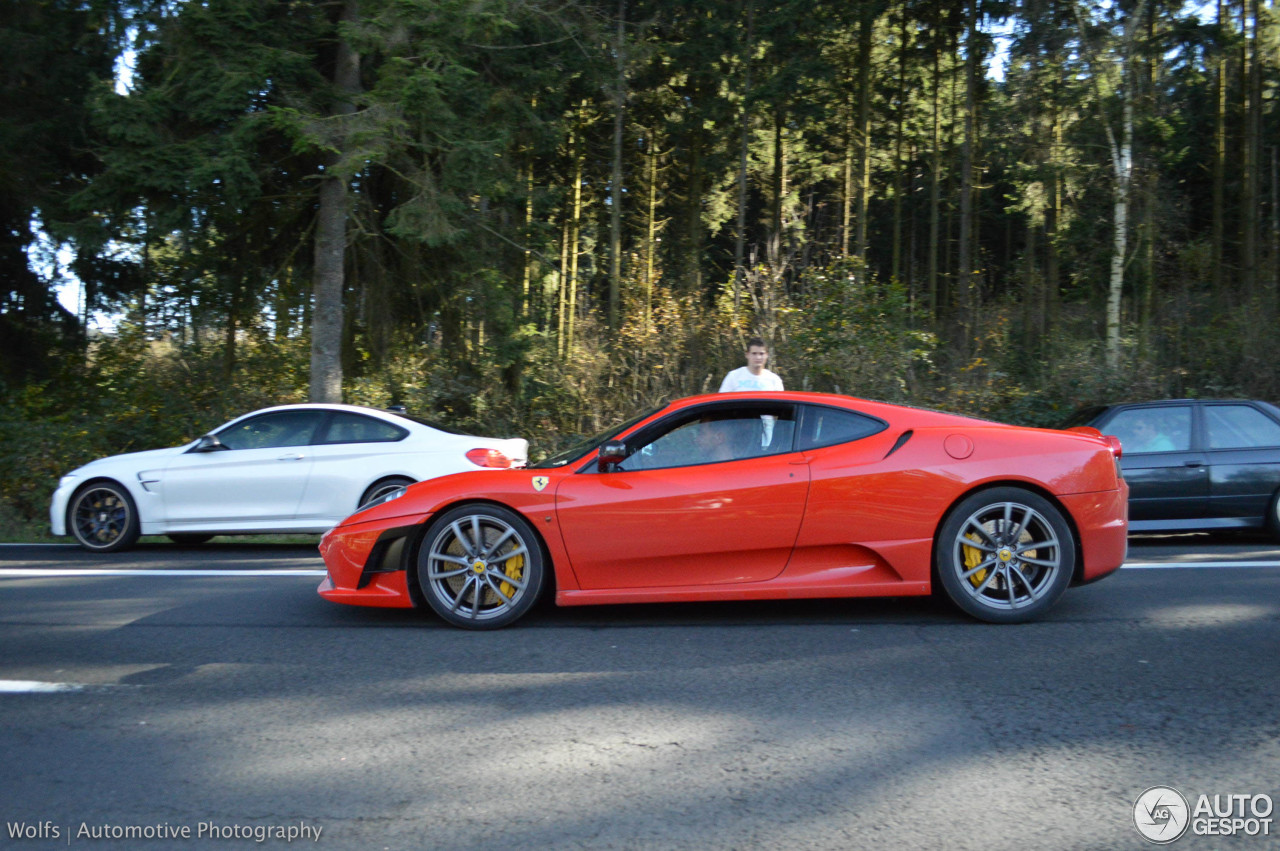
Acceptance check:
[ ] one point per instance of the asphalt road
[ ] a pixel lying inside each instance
(214, 710)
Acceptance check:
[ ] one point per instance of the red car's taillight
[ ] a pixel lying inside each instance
(489, 458)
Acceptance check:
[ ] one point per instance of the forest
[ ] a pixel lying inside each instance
(537, 217)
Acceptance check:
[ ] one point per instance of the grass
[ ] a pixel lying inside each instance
(19, 530)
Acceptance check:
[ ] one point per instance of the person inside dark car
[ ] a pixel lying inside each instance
(1147, 438)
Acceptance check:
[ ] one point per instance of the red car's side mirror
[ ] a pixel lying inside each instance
(613, 452)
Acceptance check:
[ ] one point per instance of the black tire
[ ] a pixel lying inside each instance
(1273, 517)
(1005, 555)
(189, 539)
(102, 517)
(381, 488)
(480, 566)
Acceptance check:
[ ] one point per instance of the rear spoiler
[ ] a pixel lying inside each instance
(1110, 439)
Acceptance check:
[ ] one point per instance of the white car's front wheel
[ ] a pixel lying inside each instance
(103, 518)
(381, 488)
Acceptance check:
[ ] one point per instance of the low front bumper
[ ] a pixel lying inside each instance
(368, 563)
(58, 509)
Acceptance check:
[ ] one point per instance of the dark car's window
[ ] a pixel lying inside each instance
(1158, 429)
(1083, 417)
(346, 427)
(280, 428)
(1240, 426)
(828, 426)
(715, 435)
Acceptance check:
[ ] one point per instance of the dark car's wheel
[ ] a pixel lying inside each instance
(1272, 520)
(379, 489)
(103, 518)
(1005, 555)
(189, 539)
(480, 566)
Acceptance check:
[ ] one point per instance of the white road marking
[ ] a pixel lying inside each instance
(31, 572)
(36, 572)
(31, 686)
(40, 545)
(1176, 565)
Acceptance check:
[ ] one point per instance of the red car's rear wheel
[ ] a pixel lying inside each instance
(1005, 555)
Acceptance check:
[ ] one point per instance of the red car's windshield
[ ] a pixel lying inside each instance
(580, 450)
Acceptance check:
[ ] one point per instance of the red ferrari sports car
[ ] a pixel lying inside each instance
(752, 496)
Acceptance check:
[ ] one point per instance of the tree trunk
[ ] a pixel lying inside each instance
(562, 279)
(575, 237)
(1148, 180)
(1251, 148)
(1275, 223)
(526, 310)
(615, 212)
(1122, 163)
(899, 118)
(779, 190)
(935, 187)
(1217, 250)
(692, 236)
(1122, 171)
(229, 338)
(846, 206)
(1052, 216)
(864, 132)
(740, 239)
(651, 232)
(964, 260)
(331, 234)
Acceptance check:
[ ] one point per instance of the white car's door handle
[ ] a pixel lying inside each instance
(293, 457)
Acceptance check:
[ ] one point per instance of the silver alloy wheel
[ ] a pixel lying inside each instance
(380, 489)
(1007, 556)
(479, 568)
(102, 518)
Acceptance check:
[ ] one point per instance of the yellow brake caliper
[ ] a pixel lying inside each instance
(973, 558)
(514, 568)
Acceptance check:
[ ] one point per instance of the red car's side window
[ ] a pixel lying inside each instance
(716, 436)
(823, 426)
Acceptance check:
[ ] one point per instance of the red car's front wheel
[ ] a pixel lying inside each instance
(480, 566)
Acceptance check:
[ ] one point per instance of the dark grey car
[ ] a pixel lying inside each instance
(1196, 463)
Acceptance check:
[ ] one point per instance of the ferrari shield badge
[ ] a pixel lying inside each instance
(540, 482)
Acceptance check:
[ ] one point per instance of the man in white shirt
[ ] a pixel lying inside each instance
(753, 376)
